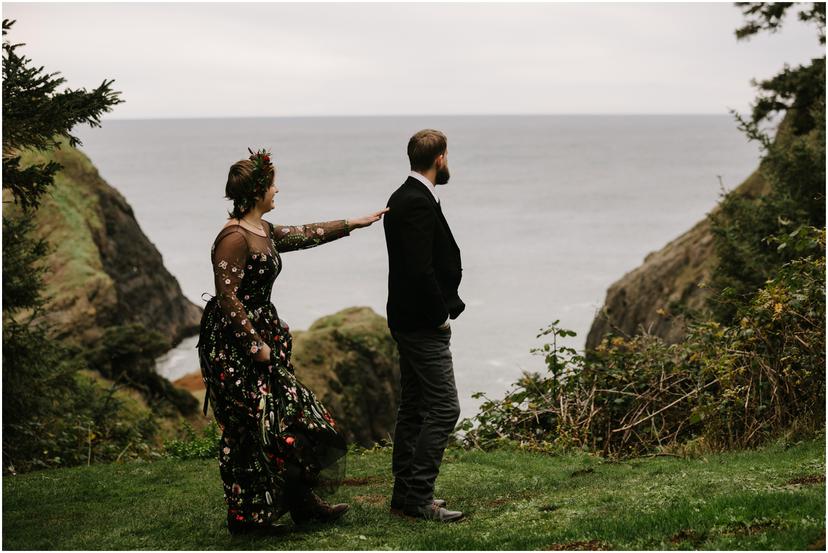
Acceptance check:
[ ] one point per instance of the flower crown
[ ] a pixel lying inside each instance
(261, 166)
(260, 177)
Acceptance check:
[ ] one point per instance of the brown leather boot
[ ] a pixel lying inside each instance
(311, 507)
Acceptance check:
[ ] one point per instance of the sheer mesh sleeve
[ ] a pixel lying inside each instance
(289, 238)
(228, 267)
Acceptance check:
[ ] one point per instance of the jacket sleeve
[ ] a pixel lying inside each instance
(229, 261)
(417, 225)
(301, 237)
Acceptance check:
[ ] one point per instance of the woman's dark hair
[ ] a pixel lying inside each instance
(244, 188)
(424, 147)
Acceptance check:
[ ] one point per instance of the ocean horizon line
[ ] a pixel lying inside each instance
(412, 116)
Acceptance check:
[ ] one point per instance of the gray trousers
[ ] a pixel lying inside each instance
(428, 412)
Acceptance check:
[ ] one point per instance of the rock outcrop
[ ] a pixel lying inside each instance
(350, 361)
(102, 270)
(653, 297)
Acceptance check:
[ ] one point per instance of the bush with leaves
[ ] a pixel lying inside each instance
(733, 386)
(770, 366)
(612, 401)
(193, 446)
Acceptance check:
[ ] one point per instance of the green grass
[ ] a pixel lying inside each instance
(513, 500)
(69, 218)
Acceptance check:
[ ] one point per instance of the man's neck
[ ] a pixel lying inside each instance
(425, 181)
(431, 175)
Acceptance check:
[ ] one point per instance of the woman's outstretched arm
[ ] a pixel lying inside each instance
(300, 237)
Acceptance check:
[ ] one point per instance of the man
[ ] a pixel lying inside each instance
(424, 274)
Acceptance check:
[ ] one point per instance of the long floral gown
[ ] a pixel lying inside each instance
(278, 441)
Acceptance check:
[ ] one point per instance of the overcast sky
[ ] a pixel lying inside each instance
(219, 60)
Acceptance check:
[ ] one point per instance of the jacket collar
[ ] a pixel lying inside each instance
(415, 184)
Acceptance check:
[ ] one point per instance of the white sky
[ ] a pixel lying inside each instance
(219, 60)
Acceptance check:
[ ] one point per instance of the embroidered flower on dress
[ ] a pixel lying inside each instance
(320, 231)
(223, 264)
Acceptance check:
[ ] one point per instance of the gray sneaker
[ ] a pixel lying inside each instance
(433, 512)
(399, 512)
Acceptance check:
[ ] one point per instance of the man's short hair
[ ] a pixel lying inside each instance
(424, 147)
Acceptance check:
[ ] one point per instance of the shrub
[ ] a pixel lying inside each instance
(194, 446)
(733, 386)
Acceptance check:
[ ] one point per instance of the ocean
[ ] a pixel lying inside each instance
(548, 212)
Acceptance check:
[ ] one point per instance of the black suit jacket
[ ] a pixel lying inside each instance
(424, 268)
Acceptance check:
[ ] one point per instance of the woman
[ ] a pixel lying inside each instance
(279, 444)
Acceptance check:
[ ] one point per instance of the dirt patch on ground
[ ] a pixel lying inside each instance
(818, 545)
(591, 545)
(688, 535)
(809, 479)
(373, 500)
(362, 481)
(191, 382)
(751, 529)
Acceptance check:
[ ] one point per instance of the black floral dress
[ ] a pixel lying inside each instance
(278, 441)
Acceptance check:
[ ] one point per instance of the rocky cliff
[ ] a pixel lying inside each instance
(654, 297)
(102, 270)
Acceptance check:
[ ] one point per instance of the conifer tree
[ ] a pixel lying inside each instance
(36, 115)
(38, 376)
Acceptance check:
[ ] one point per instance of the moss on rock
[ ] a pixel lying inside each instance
(350, 361)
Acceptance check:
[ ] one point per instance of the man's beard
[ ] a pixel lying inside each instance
(443, 175)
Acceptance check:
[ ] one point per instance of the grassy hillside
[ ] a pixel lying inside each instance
(77, 286)
(102, 269)
(768, 499)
